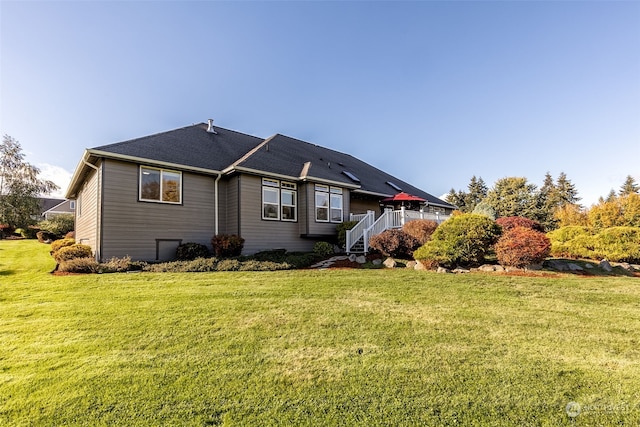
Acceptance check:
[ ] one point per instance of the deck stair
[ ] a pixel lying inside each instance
(367, 226)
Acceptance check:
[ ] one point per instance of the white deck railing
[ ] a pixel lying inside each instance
(389, 219)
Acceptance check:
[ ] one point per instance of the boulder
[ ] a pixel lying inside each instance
(411, 264)
(443, 270)
(557, 265)
(420, 266)
(460, 270)
(361, 259)
(376, 261)
(390, 263)
(626, 266)
(487, 267)
(606, 266)
(533, 267)
(574, 267)
(352, 257)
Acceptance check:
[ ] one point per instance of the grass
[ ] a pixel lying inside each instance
(333, 347)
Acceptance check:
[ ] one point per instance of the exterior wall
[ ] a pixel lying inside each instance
(360, 206)
(88, 213)
(142, 229)
(262, 234)
(315, 228)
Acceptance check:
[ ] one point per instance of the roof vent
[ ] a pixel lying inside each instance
(210, 129)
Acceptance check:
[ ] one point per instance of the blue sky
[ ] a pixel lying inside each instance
(432, 92)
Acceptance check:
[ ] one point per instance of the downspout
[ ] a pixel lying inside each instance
(216, 206)
(98, 195)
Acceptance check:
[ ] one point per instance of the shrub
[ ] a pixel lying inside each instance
(510, 222)
(342, 231)
(70, 235)
(229, 265)
(323, 248)
(71, 252)
(120, 265)
(190, 251)
(522, 246)
(227, 245)
(58, 225)
(45, 237)
(420, 229)
(620, 244)
(59, 244)
(572, 242)
(461, 240)
(253, 265)
(395, 243)
(79, 265)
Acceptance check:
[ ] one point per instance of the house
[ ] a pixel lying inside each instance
(53, 207)
(143, 197)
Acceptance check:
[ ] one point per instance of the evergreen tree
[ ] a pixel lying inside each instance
(513, 196)
(477, 192)
(611, 197)
(567, 192)
(629, 187)
(456, 198)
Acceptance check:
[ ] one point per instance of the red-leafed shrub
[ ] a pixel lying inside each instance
(395, 243)
(522, 246)
(510, 222)
(421, 229)
(227, 245)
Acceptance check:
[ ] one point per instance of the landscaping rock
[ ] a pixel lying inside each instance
(556, 265)
(533, 267)
(512, 269)
(574, 267)
(411, 265)
(626, 266)
(340, 257)
(390, 263)
(420, 266)
(443, 270)
(589, 266)
(606, 266)
(361, 259)
(499, 268)
(352, 257)
(487, 268)
(376, 261)
(460, 270)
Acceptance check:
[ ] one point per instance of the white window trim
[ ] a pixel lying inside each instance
(280, 186)
(329, 192)
(140, 199)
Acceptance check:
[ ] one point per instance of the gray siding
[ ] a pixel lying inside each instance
(88, 213)
(262, 234)
(359, 206)
(140, 229)
(316, 228)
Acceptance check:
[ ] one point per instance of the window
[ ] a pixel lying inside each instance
(72, 205)
(328, 204)
(351, 176)
(279, 200)
(159, 185)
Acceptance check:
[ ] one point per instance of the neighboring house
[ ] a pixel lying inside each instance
(52, 207)
(145, 196)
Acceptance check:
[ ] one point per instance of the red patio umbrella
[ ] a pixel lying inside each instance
(404, 197)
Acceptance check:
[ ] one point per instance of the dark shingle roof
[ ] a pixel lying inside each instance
(288, 156)
(190, 146)
(193, 146)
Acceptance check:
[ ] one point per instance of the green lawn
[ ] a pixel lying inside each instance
(335, 347)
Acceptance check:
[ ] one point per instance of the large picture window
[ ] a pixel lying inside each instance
(328, 204)
(160, 185)
(279, 200)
